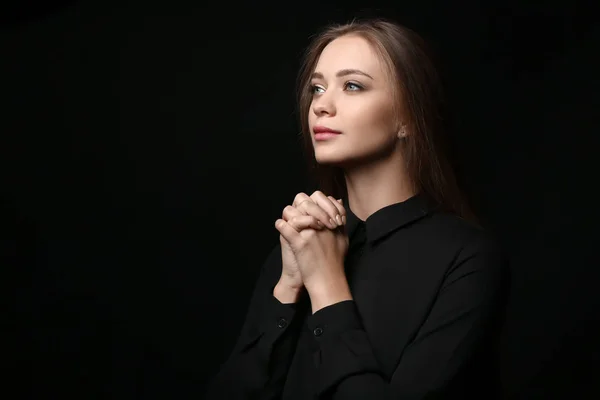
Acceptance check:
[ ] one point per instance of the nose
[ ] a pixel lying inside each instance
(323, 105)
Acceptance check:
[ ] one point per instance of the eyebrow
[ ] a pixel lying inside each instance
(342, 72)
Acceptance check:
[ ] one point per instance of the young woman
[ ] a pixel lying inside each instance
(382, 287)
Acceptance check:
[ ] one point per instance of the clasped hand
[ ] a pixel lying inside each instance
(314, 241)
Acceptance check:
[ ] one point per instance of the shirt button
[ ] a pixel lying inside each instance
(318, 331)
(282, 323)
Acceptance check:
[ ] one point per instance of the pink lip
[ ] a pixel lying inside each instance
(324, 129)
(325, 136)
(324, 133)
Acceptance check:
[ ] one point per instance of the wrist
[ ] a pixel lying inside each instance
(328, 292)
(287, 293)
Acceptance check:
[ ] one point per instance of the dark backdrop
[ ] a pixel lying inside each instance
(148, 147)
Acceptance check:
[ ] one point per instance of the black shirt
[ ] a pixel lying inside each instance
(429, 291)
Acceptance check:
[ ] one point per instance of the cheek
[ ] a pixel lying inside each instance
(311, 118)
(376, 118)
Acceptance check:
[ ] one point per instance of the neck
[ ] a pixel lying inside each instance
(377, 184)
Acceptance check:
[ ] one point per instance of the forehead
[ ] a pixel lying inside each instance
(349, 52)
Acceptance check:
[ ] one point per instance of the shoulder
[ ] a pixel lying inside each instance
(473, 252)
(462, 234)
(467, 242)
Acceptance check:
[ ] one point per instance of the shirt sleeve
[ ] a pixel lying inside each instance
(434, 363)
(261, 356)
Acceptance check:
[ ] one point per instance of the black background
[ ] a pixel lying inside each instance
(148, 147)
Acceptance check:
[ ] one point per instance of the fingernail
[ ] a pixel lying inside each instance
(320, 223)
(339, 220)
(333, 224)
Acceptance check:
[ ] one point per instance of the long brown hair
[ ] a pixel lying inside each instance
(418, 91)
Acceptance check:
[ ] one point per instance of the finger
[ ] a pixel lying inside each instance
(340, 207)
(287, 231)
(326, 204)
(290, 212)
(311, 208)
(300, 198)
(302, 222)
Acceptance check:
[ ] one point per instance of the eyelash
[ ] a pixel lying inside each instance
(313, 88)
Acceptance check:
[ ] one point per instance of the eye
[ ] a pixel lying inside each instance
(316, 89)
(353, 87)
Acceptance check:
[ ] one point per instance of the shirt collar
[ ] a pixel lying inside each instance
(389, 218)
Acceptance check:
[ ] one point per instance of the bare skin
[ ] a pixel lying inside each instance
(317, 211)
(352, 94)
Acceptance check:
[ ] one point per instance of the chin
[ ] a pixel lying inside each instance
(347, 160)
(333, 160)
(326, 157)
(327, 162)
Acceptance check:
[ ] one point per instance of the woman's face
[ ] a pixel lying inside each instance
(352, 94)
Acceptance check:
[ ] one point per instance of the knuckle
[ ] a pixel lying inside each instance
(303, 205)
(300, 196)
(287, 210)
(299, 199)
